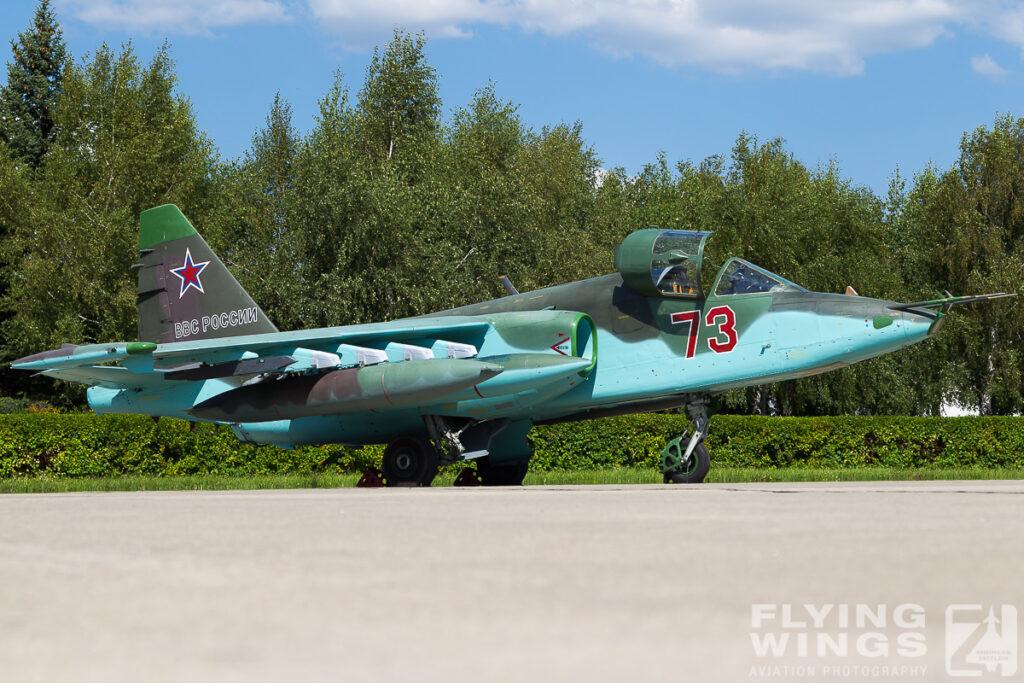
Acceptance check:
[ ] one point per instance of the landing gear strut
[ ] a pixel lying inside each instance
(685, 460)
(499, 447)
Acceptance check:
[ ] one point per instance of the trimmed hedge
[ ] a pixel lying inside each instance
(82, 445)
(90, 445)
(813, 442)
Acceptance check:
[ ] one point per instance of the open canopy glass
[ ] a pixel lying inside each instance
(663, 262)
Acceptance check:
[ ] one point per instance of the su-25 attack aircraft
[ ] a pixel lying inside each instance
(469, 383)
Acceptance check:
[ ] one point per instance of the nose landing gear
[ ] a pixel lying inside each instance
(685, 460)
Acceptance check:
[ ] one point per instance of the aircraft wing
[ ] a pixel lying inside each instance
(121, 365)
(375, 334)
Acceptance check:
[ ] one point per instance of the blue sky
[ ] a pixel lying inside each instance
(873, 84)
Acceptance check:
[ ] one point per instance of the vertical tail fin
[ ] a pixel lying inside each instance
(185, 292)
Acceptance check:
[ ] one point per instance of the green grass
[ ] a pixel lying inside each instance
(213, 482)
(206, 482)
(730, 475)
(753, 474)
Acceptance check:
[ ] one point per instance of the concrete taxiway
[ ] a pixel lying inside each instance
(541, 583)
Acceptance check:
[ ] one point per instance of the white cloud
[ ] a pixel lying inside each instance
(723, 35)
(829, 36)
(1006, 22)
(362, 24)
(175, 16)
(986, 66)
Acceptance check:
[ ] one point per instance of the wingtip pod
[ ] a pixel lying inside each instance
(30, 362)
(71, 355)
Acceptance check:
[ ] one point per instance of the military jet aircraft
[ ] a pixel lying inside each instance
(470, 382)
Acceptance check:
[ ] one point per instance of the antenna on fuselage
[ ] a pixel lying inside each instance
(507, 284)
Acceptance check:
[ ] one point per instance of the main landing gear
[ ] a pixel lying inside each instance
(685, 460)
(502, 452)
(410, 461)
(499, 447)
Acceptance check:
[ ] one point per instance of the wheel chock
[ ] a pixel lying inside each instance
(467, 477)
(371, 479)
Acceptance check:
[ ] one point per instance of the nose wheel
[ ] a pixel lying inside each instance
(678, 469)
(685, 460)
(409, 461)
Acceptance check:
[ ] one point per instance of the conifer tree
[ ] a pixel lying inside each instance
(126, 141)
(33, 83)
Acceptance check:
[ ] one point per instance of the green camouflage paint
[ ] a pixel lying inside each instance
(185, 292)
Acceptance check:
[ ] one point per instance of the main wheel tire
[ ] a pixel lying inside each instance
(700, 463)
(501, 475)
(409, 461)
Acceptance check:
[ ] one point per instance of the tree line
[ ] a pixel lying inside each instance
(389, 208)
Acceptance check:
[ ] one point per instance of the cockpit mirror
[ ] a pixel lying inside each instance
(676, 257)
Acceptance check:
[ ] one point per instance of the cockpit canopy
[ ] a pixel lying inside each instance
(669, 263)
(740, 277)
(663, 262)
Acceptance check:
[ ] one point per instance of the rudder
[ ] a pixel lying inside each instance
(185, 292)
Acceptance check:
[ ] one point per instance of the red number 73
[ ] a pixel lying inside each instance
(723, 317)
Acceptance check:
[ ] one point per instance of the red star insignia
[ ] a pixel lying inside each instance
(189, 274)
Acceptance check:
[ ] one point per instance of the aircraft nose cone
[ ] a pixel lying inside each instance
(912, 324)
(891, 327)
(918, 325)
